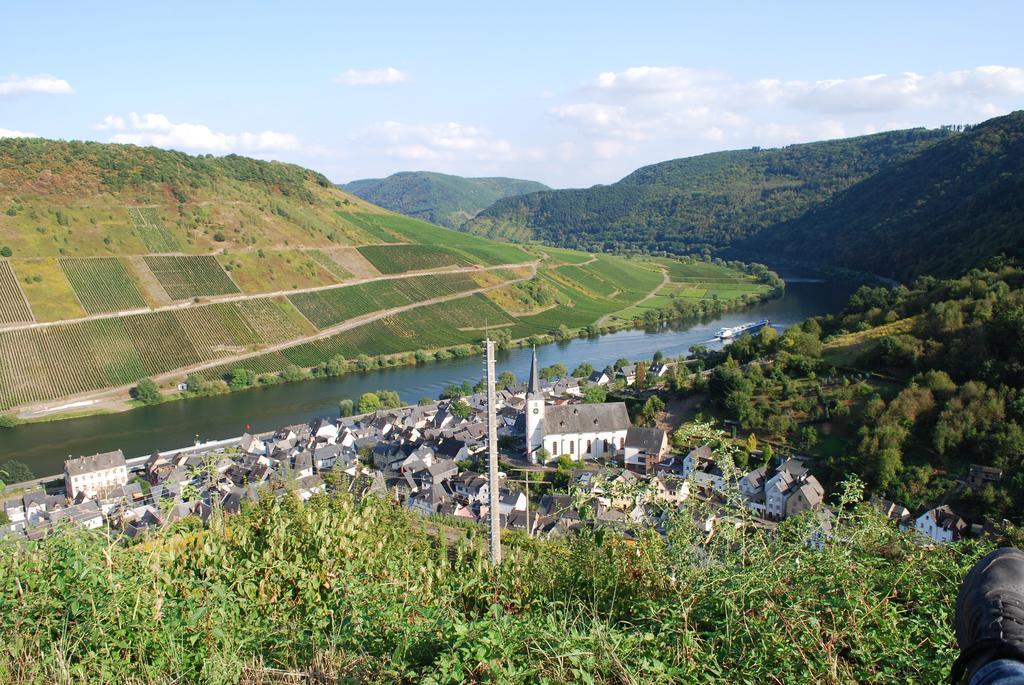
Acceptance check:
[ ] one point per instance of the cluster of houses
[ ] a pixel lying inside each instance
(428, 458)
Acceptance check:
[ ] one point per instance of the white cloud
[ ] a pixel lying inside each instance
(371, 77)
(9, 133)
(110, 122)
(160, 131)
(14, 85)
(448, 141)
(693, 107)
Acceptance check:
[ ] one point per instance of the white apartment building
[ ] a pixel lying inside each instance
(95, 475)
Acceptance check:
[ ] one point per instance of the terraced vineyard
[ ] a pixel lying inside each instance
(184, 278)
(47, 363)
(13, 306)
(326, 308)
(274, 320)
(394, 259)
(324, 260)
(102, 284)
(150, 227)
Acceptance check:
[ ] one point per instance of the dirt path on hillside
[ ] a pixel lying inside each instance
(665, 280)
(237, 297)
(113, 398)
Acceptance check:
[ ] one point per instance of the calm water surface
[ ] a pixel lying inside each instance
(142, 431)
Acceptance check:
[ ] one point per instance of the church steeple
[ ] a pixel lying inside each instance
(534, 412)
(534, 387)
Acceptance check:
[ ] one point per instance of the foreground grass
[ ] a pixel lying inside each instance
(353, 592)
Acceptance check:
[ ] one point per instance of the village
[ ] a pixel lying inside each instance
(430, 458)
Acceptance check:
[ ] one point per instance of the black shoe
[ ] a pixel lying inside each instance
(990, 613)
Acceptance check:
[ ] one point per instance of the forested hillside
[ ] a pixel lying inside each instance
(949, 208)
(708, 201)
(439, 198)
(906, 387)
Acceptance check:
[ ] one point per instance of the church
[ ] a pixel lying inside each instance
(582, 431)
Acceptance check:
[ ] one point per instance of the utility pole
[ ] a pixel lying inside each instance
(492, 454)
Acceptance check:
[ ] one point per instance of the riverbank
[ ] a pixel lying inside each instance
(45, 446)
(242, 377)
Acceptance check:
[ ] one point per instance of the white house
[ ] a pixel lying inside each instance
(940, 524)
(94, 475)
(700, 465)
(510, 500)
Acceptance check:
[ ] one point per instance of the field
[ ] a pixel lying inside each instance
(326, 308)
(47, 288)
(102, 284)
(328, 262)
(13, 307)
(274, 319)
(395, 259)
(186, 277)
(150, 228)
(704, 272)
(275, 270)
(64, 359)
(373, 225)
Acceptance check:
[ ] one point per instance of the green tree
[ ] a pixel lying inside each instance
(240, 378)
(197, 384)
(583, 370)
(292, 373)
(369, 402)
(147, 392)
(346, 407)
(808, 437)
(8, 420)
(5, 251)
(595, 394)
(389, 399)
(506, 378)
(460, 408)
(554, 371)
(15, 471)
(337, 366)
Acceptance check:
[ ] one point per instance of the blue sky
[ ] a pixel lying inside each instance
(568, 93)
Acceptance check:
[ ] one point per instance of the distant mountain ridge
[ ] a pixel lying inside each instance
(897, 204)
(948, 209)
(707, 201)
(439, 198)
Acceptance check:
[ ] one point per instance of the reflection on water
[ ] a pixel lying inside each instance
(175, 424)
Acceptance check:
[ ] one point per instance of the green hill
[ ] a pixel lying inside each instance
(439, 198)
(119, 263)
(709, 201)
(948, 209)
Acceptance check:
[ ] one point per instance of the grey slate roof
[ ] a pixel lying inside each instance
(585, 418)
(649, 440)
(97, 462)
(534, 386)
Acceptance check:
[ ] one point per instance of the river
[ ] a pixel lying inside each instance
(45, 446)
